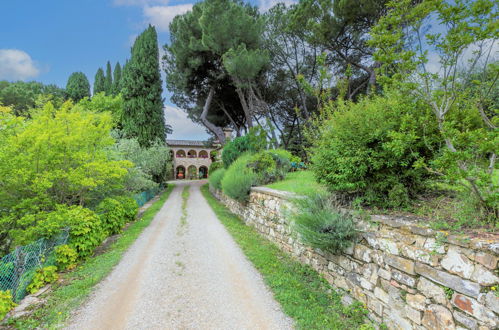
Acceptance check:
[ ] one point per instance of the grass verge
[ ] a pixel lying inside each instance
(301, 183)
(77, 285)
(302, 292)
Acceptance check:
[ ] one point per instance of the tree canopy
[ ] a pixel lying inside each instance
(78, 86)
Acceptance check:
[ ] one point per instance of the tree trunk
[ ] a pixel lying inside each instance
(217, 131)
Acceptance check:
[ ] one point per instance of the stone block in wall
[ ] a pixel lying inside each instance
(400, 263)
(457, 263)
(385, 274)
(486, 259)
(420, 255)
(451, 281)
(475, 309)
(431, 290)
(396, 320)
(416, 301)
(413, 314)
(431, 245)
(492, 301)
(362, 252)
(404, 278)
(438, 317)
(381, 295)
(466, 321)
(483, 276)
(375, 305)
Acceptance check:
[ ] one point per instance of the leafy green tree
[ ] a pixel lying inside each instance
(109, 79)
(117, 79)
(143, 116)
(23, 96)
(66, 159)
(99, 82)
(341, 28)
(77, 86)
(466, 33)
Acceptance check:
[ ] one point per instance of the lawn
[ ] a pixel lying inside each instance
(301, 183)
(302, 292)
(75, 286)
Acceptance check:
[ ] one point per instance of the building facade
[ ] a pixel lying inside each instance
(191, 159)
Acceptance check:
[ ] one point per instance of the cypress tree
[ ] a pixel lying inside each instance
(99, 82)
(78, 86)
(109, 79)
(117, 79)
(141, 87)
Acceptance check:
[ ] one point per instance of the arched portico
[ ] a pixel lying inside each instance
(203, 172)
(192, 172)
(180, 172)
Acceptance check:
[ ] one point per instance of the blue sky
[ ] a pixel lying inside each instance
(48, 40)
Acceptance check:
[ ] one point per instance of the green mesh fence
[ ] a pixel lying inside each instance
(146, 196)
(18, 267)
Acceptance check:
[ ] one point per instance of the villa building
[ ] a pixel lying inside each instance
(191, 159)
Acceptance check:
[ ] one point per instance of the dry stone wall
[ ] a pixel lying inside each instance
(407, 275)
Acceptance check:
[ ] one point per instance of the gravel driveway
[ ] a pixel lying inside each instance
(182, 275)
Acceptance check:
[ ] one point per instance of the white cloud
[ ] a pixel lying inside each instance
(265, 5)
(183, 127)
(162, 16)
(16, 64)
(139, 2)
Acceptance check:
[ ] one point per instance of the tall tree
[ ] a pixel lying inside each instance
(214, 52)
(143, 116)
(109, 79)
(117, 79)
(99, 82)
(342, 29)
(77, 86)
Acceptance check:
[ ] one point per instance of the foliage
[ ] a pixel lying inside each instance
(65, 159)
(77, 86)
(42, 277)
(99, 82)
(370, 149)
(23, 96)
(130, 206)
(6, 303)
(271, 165)
(462, 41)
(143, 116)
(153, 161)
(321, 225)
(303, 293)
(216, 177)
(86, 231)
(65, 257)
(239, 179)
(112, 216)
(254, 141)
(117, 79)
(215, 166)
(101, 102)
(77, 285)
(108, 85)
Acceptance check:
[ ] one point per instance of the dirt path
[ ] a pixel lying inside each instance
(182, 275)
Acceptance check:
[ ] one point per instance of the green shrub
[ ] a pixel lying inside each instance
(216, 177)
(321, 225)
(6, 303)
(370, 149)
(130, 205)
(254, 141)
(65, 257)
(86, 231)
(215, 166)
(43, 276)
(239, 179)
(271, 165)
(112, 215)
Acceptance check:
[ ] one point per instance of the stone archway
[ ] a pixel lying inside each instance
(180, 154)
(191, 154)
(180, 172)
(192, 172)
(203, 154)
(203, 172)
